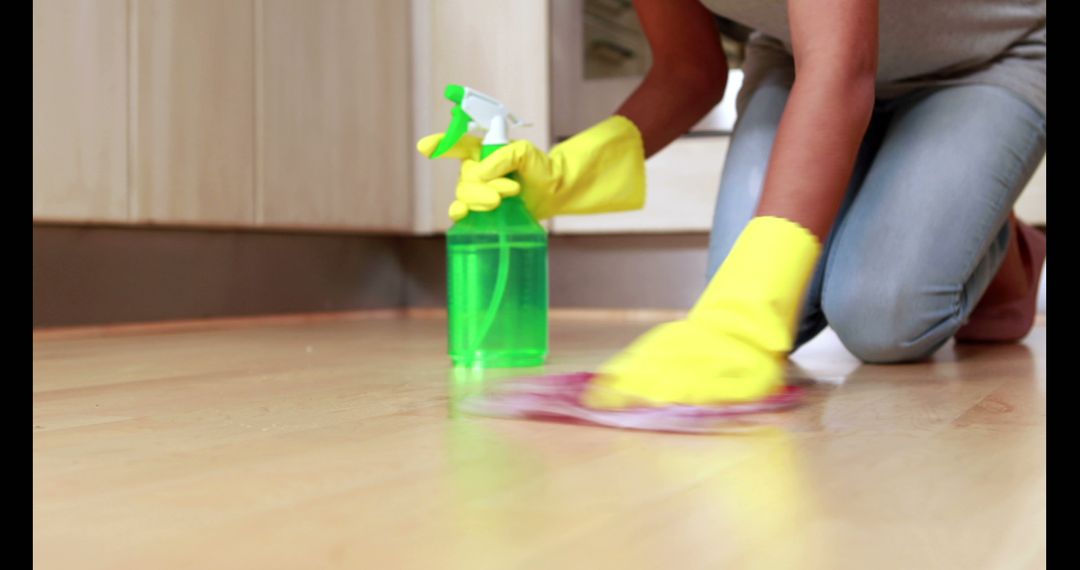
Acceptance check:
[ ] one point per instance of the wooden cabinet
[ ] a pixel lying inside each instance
(334, 130)
(304, 114)
(192, 111)
(80, 110)
(245, 113)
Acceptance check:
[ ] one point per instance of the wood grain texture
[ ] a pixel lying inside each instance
(193, 154)
(333, 444)
(334, 118)
(80, 110)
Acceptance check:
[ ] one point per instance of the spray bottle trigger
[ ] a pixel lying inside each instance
(459, 125)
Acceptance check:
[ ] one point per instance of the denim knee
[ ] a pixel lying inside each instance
(882, 321)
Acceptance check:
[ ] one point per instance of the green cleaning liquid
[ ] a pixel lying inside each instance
(497, 272)
(497, 288)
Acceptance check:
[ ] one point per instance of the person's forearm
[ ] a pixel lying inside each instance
(668, 103)
(688, 73)
(834, 45)
(815, 149)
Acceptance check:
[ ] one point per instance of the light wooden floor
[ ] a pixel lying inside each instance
(330, 443)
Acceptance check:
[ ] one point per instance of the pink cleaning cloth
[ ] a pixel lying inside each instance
(557, 397)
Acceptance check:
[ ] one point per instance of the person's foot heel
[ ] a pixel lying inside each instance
(1012, 320)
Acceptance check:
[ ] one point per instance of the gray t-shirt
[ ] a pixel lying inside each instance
(921, 43)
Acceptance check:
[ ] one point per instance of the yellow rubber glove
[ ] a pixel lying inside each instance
(601, 169)
(732, 345)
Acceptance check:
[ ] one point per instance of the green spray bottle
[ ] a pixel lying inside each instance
(497, 264)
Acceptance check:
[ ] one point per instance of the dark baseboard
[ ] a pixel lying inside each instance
(103, 275)
(95, 275)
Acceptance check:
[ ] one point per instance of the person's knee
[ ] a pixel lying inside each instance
(883, 321)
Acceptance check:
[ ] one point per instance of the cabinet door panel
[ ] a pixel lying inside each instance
(80, 110)
(193, 157)
(335, 136)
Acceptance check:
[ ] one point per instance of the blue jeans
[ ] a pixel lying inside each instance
(924, 224)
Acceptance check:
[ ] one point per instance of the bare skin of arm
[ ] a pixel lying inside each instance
(688, 74)
(835, 51)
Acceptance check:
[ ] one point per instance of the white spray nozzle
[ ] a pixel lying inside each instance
(473, 109)
(490, 114)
